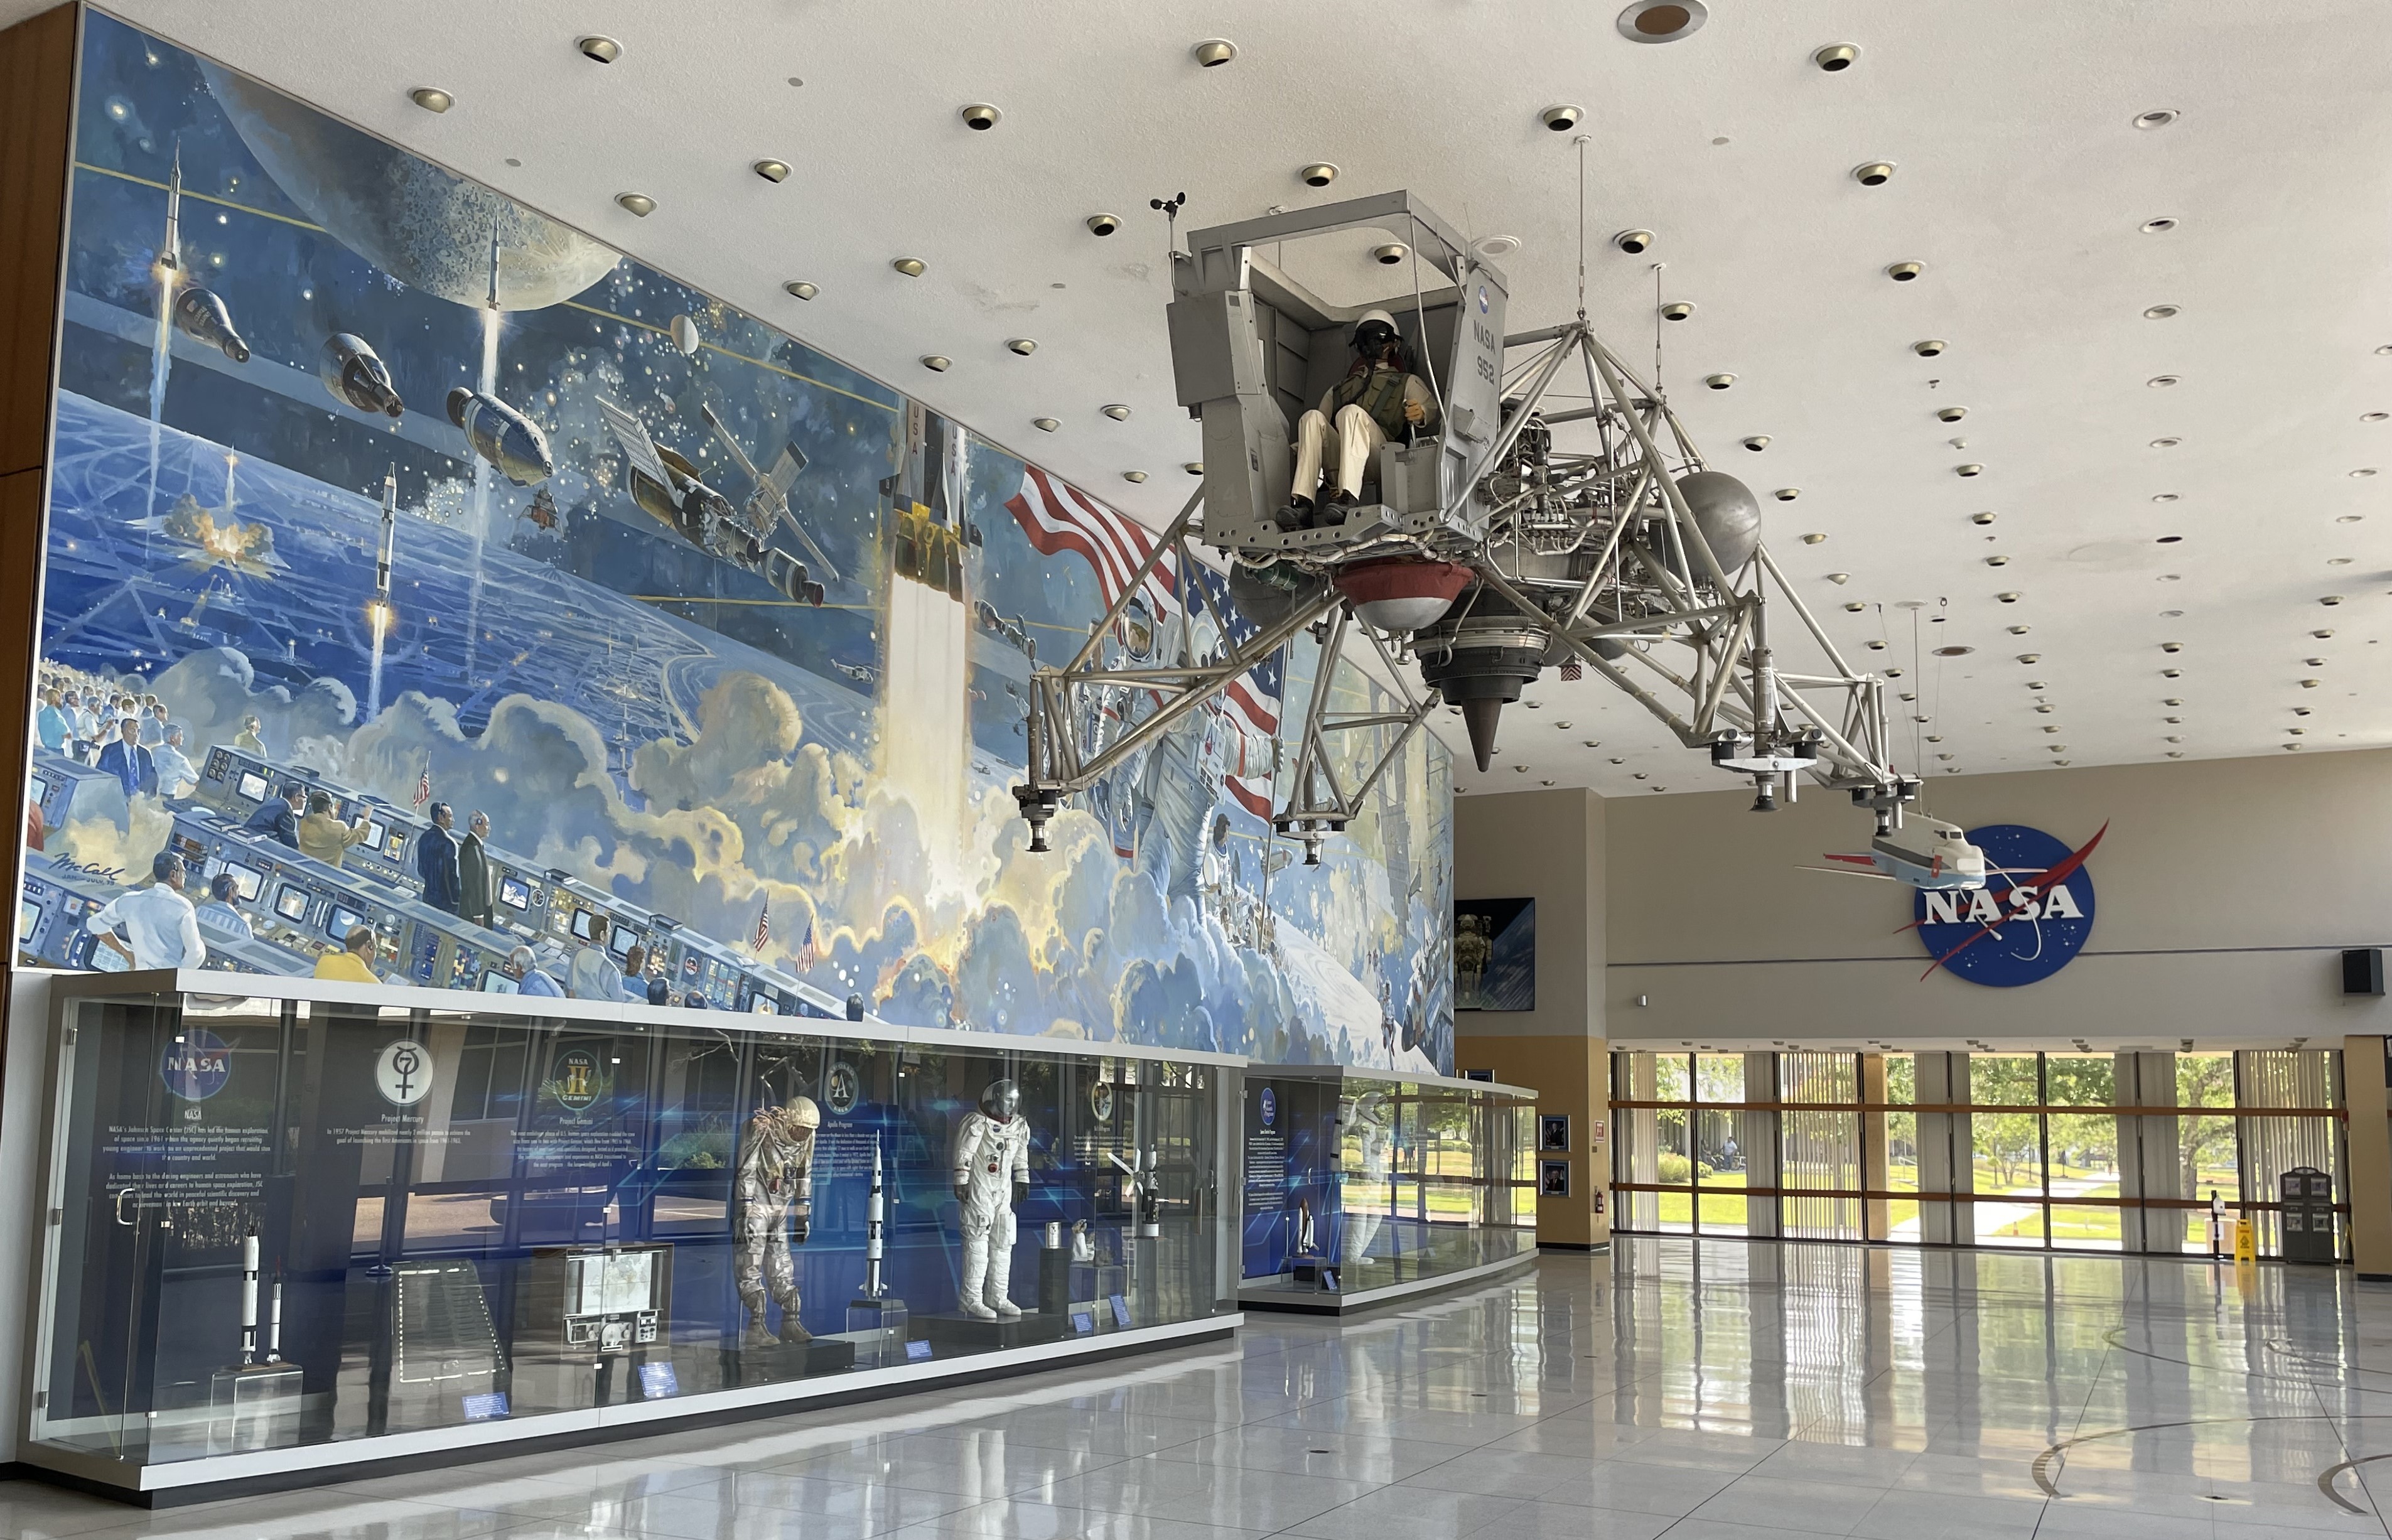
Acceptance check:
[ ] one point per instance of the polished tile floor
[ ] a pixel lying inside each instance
(1704, 1390)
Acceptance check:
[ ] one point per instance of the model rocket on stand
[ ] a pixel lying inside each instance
(876, 1318)
(252, 1404)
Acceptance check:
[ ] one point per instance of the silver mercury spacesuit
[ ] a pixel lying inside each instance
(992, 1157)
(775, 1177)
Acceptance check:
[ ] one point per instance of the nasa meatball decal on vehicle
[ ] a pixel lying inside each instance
(2030, 919)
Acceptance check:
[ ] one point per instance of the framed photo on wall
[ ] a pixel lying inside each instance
(1495, 954)
(1554, 1134)
(1552, 1179)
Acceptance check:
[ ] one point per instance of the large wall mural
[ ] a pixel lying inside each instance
(374, 485)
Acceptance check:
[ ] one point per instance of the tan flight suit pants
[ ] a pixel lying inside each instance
(1348, 453)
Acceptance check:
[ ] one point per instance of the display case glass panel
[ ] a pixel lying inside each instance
(282, 1221)
(1358, 1183)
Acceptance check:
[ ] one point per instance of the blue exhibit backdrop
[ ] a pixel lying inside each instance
(378, 481)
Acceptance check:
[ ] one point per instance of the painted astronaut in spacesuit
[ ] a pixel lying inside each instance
(991, 1173)
(775, 1185)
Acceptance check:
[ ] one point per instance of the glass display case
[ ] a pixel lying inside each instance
(309, 1223)
(1362, 1187)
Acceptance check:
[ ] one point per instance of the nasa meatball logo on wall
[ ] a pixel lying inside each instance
(195, 1065)
(2027, 922)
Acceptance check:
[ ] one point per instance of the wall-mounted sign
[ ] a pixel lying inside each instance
(2029, 920)
(575, 1075)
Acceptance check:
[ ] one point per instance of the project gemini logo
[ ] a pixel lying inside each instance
(2027, 922)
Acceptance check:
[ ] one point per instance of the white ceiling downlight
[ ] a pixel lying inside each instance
(1661, 21)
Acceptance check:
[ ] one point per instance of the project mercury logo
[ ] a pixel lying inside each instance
(403, 1073)
(2027, 922)
(196, 1063)
(1270, 1107)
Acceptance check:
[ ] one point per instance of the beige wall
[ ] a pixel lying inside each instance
(2225, 889)
(1549, 846)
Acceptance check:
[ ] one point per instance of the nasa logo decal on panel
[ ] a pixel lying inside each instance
(403, 1073)
(195, 1065)
(1270, 1107)
(842, 1090)
(2027, 922)
(575, 1076)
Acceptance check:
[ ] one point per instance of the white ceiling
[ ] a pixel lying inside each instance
(2022, 182)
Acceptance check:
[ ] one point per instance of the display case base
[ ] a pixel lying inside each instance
(957, 1330)
(1282, 1293)
(771, 1363)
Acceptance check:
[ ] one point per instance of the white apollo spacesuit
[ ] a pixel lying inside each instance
(991, 1160)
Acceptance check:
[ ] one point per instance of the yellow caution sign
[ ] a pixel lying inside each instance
(2246, 1242)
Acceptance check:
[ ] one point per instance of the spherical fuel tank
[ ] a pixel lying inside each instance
(1728, 515)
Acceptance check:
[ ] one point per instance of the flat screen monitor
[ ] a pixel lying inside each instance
(620, 941)
(581, 923)
(495, 982)
(247, 880)
(290, 901)
(514, 892)
(41, 789)
(252, 786)
(28, 916)
(340, 922)
(376, 831)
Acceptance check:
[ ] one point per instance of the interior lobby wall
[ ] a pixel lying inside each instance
(1548, 845)
(2226, 889)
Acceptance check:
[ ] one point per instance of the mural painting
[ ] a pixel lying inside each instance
(608, 638)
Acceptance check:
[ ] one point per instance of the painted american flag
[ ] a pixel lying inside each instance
(1059, 517)
(763, 924)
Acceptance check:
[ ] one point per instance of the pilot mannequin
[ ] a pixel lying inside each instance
(1379, 399)
(775, 1176)
(992, 1172)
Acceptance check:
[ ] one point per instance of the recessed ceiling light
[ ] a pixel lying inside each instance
(2161, 381)
(1133, 475)
(1390, 254)
(2171, 701)
(1902, 272)
(1854, 605)
(772, 171)
(2021, 630)
(2163, 497)
(1719, 382)
(2171, 673)
(1213, 52)
(1981, 518)
(2364, 470)
(1877, 646)
(2373, 417)
(1544, 782)
(637, 203)
(1787, 494)
(800, 289)
(1044, 424)
(2160, 313)
(1520, 769)
(2166, 443)
(2029, 657)
(1971, 469)
(2314, 663)
(2036, 684)
(2160, 226)
(1318, 175)
(1873, 174)
(1498, 245)
(2337, 561)
(1835, 58)
(937, 363)
(2158, 117)
(2350, 518)
(1193, 467)
(980, 116)
(431, 98)
(1661, 21)
(913, 267)
(1840, 578)
(1997, 560)
(2330, 599)
(2045, 711)
(2176, 753)
(2169, 540)
(2311, 684)
(2323, 633)
(513, 162)
(1023, 345)
(601, 50)
(1118, 412)
(1954, 652)
(2011, 598)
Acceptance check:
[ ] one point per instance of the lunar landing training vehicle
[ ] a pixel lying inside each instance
(1399, 476)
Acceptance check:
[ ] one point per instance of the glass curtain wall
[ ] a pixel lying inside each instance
(2074, 1151)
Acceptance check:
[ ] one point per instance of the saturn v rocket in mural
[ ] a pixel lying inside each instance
(442, 588)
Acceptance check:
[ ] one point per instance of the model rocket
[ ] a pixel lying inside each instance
(249, 1299)
(874, 1210)
(170, 256)
(196, 312)
(389, 534)
(274, 1327)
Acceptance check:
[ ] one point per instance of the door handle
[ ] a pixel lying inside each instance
(122, 1195)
